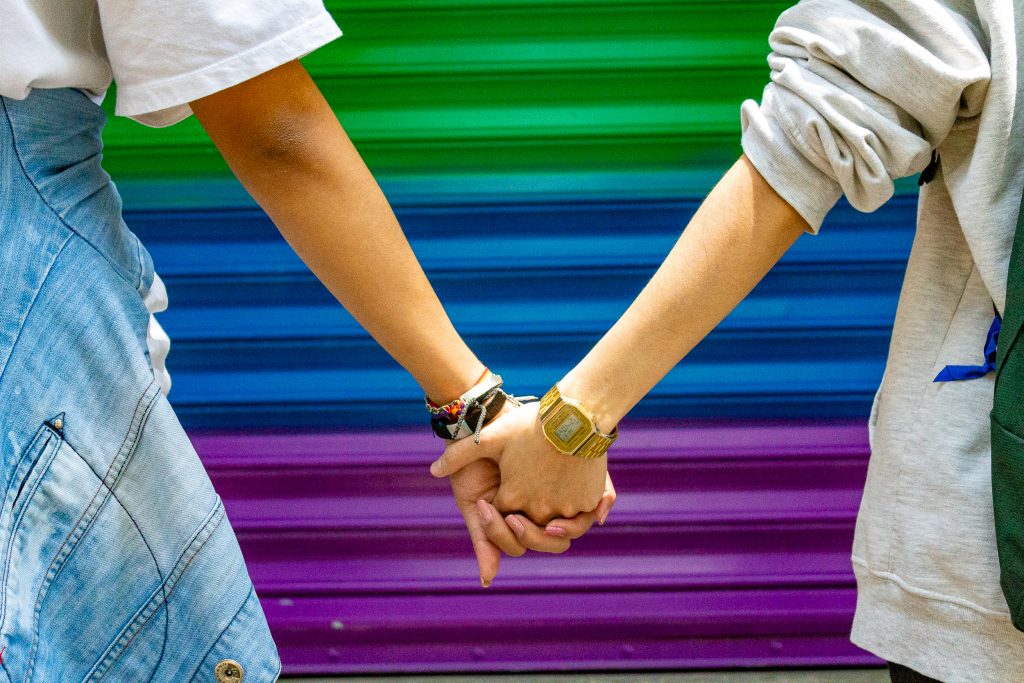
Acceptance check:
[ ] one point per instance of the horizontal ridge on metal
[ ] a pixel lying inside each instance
(257, 340)
(542, 156)
(728, 546)
(567, 631)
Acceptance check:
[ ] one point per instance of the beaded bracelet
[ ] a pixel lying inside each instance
(468, 414)
(451, 420)
(455, 406)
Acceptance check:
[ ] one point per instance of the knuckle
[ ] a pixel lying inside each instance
(534, 510)
(541, 515)
(567, 512)
(505, 504)
(532, 544)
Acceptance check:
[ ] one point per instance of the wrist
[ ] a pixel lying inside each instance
(571, 427)
(453, 382)
(577, 386)
(467, 414)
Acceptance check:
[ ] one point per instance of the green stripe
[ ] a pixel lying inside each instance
(489, 87)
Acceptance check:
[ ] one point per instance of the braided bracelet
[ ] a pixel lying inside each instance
(468, 414)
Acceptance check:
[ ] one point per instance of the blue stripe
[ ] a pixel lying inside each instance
(258, 341)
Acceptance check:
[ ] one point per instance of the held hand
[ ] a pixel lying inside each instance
(553, 538)
(475, 486)
(580, 524)
(535, 478)
(472, 487)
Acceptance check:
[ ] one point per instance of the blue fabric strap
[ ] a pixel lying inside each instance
(955, 373)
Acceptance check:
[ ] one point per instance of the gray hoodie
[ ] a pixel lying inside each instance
(861, 92)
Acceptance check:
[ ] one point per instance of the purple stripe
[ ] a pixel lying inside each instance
(649, 629)
(679, 439)
(729, 546)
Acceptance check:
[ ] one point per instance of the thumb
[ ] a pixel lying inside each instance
(464, 451)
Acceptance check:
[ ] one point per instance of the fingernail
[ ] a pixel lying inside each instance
(434, 468)
(484, 582)
(604, 516)
(554, 531)
(485, 512)
(516, 525)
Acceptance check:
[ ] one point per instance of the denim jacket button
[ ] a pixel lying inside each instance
(229, 671)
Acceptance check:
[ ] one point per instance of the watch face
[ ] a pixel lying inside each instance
(567, 428)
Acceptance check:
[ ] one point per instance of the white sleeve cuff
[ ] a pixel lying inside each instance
(165, 102)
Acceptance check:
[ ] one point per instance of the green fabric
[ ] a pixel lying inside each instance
(1008, 436)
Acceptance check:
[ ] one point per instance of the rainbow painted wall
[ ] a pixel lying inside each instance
(543, 156)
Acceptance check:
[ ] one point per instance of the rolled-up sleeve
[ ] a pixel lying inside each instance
(860, 93)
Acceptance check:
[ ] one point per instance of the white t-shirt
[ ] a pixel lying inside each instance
(156, 338)
(162, 54)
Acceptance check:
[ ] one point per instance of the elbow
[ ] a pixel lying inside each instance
(287, 139)
(277, 121)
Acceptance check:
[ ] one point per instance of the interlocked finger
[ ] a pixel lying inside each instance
(497, 531)
(573, 527)
(533, 536)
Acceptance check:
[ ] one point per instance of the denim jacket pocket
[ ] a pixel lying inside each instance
(75, 566)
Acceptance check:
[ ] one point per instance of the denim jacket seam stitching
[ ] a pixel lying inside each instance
(160, 588)
(89, 515)
(142, 265)
(31, 306)
(222, 632)
(10, 539)
(29, 448)
(46, 203)
(191, 550)
(149, 548)
(163, 579)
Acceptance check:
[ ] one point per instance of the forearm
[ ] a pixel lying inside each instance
(739, 232)
(300, 166)
(334, 215)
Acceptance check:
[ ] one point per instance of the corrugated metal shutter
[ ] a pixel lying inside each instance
(543, 156)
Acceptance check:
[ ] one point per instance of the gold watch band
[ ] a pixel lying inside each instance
(565, 421)
(548, 400)
(597, 445)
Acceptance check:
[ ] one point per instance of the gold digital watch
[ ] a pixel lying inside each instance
(571, 428)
